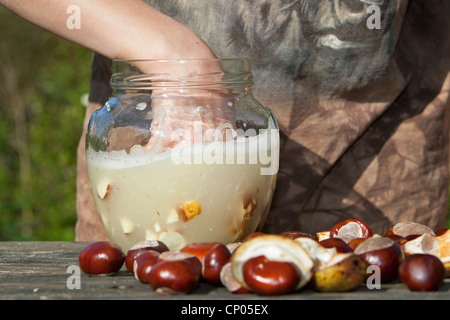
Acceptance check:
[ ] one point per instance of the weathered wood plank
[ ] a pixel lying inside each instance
(39, 270)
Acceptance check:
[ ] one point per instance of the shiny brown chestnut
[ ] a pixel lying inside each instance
(422, 272)
(278, 249)
(340, 245)
(179, 255)
(143, 264)
(382, 252)
(141, 246)
(174, 276)
(354, 243)
(213, 263)
(101, 258)
(213, 256)
(269, 277)
(350, 229)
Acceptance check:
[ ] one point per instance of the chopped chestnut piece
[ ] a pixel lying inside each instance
(103, 190)
(174, 240)
(422, 272)
(322, 235)
(101, 258)
(188, 210)
(249, 207)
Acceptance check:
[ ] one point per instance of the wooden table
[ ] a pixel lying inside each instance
(42, 270)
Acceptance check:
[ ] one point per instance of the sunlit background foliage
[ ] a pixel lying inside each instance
(44, 82)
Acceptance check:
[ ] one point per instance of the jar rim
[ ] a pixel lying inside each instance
(181, 73)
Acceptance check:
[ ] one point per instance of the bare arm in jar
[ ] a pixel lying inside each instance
(131, 29)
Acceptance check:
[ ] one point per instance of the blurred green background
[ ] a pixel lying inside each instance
(44, 82)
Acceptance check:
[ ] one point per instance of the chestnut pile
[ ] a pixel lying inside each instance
(267, 264)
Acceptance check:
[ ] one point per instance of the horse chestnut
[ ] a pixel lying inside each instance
(422, 272)
(267, 277)
(101, 258)
(384, 253)
(142, 246)
(143, 264)
(212, 255)
(174, 276)
(350, 229)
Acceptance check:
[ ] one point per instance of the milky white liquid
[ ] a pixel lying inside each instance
(145, 191)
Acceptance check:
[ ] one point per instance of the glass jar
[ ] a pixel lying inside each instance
(182, 152)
